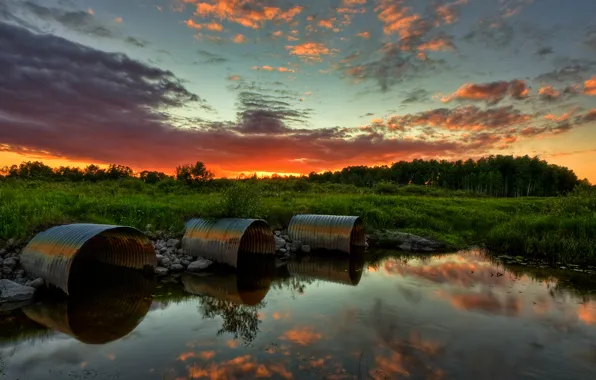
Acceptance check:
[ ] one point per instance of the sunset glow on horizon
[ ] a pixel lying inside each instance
(291, 87)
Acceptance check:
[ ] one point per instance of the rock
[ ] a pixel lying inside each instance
(161, 271)
(10, 291)
(181, 252)
(10, 243)
(176, 261)
(37, 283)
(10, 262)
(185, 263)
(282, 250)
(17, 251)
(404, 241)
(279, 243)
(176, 268)
(286, 238)
(277, 233)
(163, 250)
(199, 265)
(296, 246)
(175, 243)
(306, 248)
(288, 246)
(165, 262)
(2, 252)
(159, 258)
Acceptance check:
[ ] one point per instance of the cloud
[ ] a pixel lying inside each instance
(136, 42)
(212, 58)
(118, 20)
(590, 86)
(588, 117)
(400, 19)
(544, 50)
(212, 26)
(468, 118)
(248, 13)
(270, 68)
(448, 13)
(548, 93)
(239, 39)
(365, 35)
(309, 51)
(491, 93)
(573, 71)
(234, 77)
(437, 44)
(302, 336)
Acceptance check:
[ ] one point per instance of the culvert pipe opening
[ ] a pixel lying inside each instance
(55, 253)
(330, 232)
(225, 240)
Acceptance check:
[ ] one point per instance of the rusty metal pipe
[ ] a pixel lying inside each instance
(332, 232)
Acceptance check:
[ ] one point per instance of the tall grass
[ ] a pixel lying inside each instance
(555, 228)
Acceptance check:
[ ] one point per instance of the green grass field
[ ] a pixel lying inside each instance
(562, 228)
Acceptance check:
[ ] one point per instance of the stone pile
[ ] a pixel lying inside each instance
(10, 265)
(286, 247)
(172, 259)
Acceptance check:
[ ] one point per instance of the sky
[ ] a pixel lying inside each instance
(289, 87)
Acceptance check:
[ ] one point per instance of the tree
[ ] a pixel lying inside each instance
(194, 175)
(152, 177)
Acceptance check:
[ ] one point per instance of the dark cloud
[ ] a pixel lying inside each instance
(80, 21)
(136, 42)
(64, 99)
(544, 50)
(416, 96)
(212, 58)
(568, 70)
(590, 40)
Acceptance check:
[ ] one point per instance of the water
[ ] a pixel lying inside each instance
(456, 316)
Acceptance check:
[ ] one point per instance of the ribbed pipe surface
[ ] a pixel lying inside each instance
(332, 232)
(52, 253)
(226, 287)
(222, 240)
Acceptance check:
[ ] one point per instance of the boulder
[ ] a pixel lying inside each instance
(37, 283)
(286, 238)
(161, 271)
(306, 248)
(176, 268)
(199, 265)
(10, 291)
(159, 258)
(165, 262)
(175, 243)
(404, 241)
(296, 246)
(279, 243)
(10, 262)
(277, 233)
(282, 250)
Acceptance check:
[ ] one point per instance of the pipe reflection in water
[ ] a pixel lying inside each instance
(342, 269)
(236, 296)
(106, 303)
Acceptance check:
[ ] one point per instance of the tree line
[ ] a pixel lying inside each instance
(501, 176)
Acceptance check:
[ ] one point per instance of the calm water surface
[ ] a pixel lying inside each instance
(456, 316)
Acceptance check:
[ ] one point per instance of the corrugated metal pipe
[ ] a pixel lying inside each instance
(58, 251)
(332, 232)
(341, 270)
(223, 240)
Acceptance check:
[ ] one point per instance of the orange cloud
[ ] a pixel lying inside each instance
(309, 51)
(304, 336)
(365, 35)
(491, 92)
(270, 68)
(548, 93)
(350, 3)
(590, 86)
(437, 44)
(587, 314)
(239, 39)
(327, 23)
(398, 19)
(213, 26)
(239, 367)
(351, 10)
(248, 13)
(90, 11)
(277, 33)
(447, 13)
(234, 77)
(118, 19)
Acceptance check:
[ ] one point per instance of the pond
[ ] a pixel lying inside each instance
(381, 316)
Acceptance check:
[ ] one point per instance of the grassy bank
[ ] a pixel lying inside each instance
(555, 228)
